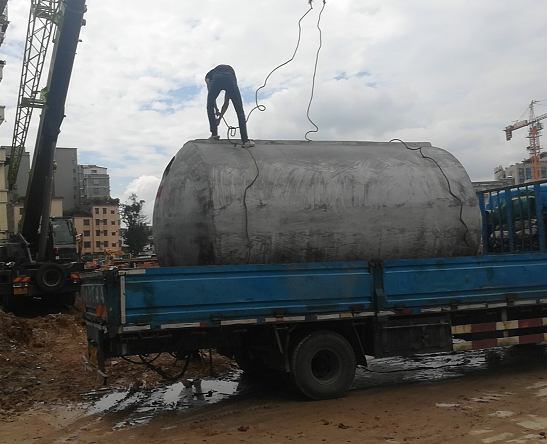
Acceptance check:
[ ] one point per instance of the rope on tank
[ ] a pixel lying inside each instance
(447, 182)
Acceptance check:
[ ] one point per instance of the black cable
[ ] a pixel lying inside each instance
(245, 206)
(314, 74)
(447, 181)
(232, 130)
(262, 107)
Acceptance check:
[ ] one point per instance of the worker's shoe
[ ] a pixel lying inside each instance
(214, 138)
(248, 144)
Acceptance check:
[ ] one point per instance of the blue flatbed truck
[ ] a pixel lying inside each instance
(318, 321)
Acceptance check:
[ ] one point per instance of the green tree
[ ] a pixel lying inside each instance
(137, 231)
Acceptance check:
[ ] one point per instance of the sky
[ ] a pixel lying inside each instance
(451, 72)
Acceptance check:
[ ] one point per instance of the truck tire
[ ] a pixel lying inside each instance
(323, 365)
(50, 278)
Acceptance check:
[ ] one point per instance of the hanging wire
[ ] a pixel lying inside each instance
(231, 131)
(447, 181)
(314, 74)
(263, 107)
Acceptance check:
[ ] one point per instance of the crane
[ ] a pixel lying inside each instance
(42, 260)
(43, 15)
(534, 134)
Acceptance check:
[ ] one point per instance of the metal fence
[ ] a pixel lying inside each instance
(514, 218)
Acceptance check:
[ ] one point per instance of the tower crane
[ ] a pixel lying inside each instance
(534, 133)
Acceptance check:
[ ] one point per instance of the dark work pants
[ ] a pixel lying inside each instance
(227, 83)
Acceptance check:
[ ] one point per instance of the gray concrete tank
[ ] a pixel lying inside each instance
(312, 202)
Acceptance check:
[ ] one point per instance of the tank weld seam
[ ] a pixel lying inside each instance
(447, 182)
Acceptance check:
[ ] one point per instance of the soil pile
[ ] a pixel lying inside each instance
(41, 362)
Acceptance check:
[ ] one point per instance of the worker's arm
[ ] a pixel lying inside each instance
(224, 106)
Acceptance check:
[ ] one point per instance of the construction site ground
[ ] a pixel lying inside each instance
(47, 396)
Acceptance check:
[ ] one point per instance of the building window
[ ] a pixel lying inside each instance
(528, 173)
(105, 233)
(87, 233)
(114, 233)
(105, 221)
(95, 181)
(21, 211)
(543, 172)
(104, 210)
(87, 244)
(95, 190)
(105, 243)
(112, 211)
(118, 221)
(96, 211)
(97, 232)
(113, 244)
(113, 222)
(97, 221)
(93, 171)
(98, 244)
(86, 222)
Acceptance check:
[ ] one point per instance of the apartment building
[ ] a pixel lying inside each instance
(99, 230)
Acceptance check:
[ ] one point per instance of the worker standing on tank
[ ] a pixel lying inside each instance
(223, 78)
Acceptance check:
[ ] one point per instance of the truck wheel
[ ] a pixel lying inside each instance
(50, 278)
(323, 365)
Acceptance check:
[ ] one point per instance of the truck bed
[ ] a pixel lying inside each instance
(164, 298)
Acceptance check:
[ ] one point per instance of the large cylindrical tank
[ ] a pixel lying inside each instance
(313, 202)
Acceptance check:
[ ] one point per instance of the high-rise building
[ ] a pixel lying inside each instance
(94, 182)
(65, 183)
(75, 183)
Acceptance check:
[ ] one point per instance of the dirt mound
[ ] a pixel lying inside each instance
(40, 362)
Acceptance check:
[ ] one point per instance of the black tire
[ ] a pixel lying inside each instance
(323, 365)
(51, 278)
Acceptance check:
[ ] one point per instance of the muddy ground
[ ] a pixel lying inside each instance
(47, 396)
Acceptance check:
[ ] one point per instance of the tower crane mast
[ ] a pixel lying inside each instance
(43, 15)
(534, 133)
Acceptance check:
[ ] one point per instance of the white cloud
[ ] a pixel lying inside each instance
(454, 73)
(145, 187)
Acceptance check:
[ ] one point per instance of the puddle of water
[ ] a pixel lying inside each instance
(107, 402)
(139, 407)
(445, 405)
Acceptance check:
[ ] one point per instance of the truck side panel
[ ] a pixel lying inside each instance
(157, 297)
(431, 283)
